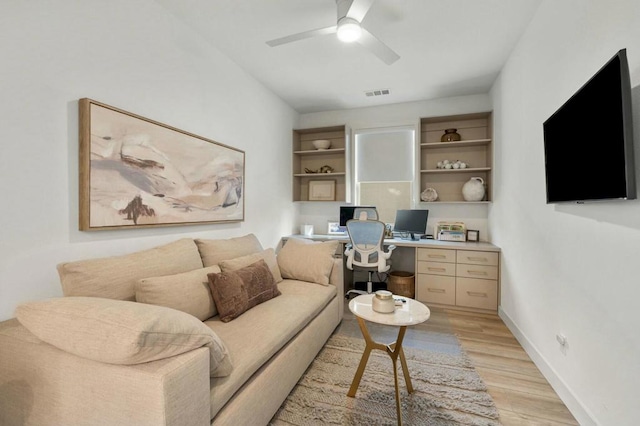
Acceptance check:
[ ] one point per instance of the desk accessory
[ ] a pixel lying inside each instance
(451, 231)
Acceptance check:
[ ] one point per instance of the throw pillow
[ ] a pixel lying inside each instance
(269, 256)
(235, 292)
(215, 251)
(187, 292)
(121, 332)
(115, 277)
(307, 260)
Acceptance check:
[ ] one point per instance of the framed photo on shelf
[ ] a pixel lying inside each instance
(473, 235)
(322, 190)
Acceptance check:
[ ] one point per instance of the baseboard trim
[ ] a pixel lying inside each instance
(575, 406)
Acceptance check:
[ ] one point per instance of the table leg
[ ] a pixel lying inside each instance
(394, 350)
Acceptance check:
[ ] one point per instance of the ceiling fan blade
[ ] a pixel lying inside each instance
(302, 36)
(359, 9)
(378, 48)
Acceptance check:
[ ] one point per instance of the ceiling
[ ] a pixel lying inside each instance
(446, 47)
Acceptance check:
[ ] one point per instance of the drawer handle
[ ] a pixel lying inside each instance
(478, 259)
(436, 290)
(476, 294)
(470, 272)
(437, 256)
(436, 269)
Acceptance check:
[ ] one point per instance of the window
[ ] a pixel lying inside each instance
(385, 169)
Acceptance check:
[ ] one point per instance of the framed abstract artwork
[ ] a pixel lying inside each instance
(136, 172)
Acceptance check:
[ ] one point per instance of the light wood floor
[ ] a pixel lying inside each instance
(521, 393)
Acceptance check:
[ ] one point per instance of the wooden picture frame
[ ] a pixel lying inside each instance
(137, 173)
(473, 235)
(322, 190)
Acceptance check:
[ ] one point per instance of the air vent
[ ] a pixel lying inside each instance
(378, 92)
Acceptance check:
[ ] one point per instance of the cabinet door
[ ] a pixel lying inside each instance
(436, 289)
(477, 271)
(437, 268)
(477, 293)
(477, 257)
(437, 255)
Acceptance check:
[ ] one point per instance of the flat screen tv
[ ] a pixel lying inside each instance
(588, 141)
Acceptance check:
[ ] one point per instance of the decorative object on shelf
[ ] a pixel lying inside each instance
(323, 169)
(450, 135)
(473, 235)
(473, 189)
(429, 195)
(446, 164)
(321, 144)
(383, 302)
(322, 190)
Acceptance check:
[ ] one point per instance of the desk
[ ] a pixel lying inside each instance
(463, 275)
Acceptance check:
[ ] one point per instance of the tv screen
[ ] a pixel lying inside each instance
(411, 222)
(588, 141)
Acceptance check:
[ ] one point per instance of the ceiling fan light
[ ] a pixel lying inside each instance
(349, 30)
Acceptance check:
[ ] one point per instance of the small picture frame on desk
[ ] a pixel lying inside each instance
(334, 228)
(473, 235)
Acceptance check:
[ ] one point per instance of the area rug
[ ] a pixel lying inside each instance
(447, 390)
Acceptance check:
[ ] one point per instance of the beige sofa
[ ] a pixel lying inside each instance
(76, 380)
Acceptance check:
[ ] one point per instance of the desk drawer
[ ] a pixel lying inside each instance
(436, 289)
(437, 268)
(477, 271)
(437, 255)
(477, 257)
(475, 293)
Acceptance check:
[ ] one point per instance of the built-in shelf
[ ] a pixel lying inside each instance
(474, 149)
(305, 156)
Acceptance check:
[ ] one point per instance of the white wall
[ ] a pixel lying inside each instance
(134, 56)
(394, 115)
(570, 269)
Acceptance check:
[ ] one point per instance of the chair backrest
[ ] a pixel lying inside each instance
(370, 212)
(367, 250)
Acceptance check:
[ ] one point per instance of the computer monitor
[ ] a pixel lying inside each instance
(411, 222)
(346, 213)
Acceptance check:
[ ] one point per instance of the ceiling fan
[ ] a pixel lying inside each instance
(348, 29)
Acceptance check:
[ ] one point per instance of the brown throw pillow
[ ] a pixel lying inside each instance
(235, 292)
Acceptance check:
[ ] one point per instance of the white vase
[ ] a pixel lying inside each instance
(473, 189)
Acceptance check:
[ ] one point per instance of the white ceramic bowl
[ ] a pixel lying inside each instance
(322, 144)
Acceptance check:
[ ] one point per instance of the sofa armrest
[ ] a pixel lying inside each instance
(337, 279)
(43, 385)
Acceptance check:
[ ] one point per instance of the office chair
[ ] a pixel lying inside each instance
(371, 213)
(366, 250)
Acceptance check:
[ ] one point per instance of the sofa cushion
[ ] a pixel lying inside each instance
(115, 277)
(121, 332)
(255, 336)
(215, 251)
(307, 260)
(269, 256)
(235, 292)
(187, 292)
